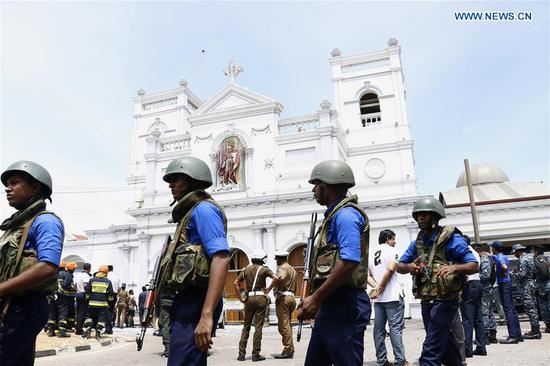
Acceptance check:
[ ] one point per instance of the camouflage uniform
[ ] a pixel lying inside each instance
(543, 297)
(488, 295)
(526, 281)
(166, 300)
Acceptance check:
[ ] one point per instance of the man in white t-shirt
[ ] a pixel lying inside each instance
(388, 304)
(81, 280)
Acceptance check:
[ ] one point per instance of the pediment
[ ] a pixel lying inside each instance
(232, 97)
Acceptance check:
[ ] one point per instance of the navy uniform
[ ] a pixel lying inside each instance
(27, 307)
(542, 283)
(99, 293)
(434, 284)
(487, 277)
(195, 262)
(344, 310)
(526, 281)
(505, 292)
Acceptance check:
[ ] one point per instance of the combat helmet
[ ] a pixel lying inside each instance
(33, 169)
(332, 172)
(192, 167)
(428, 204)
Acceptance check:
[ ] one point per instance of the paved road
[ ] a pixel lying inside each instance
(533, 353)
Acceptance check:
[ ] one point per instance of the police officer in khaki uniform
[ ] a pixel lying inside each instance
(255, 302)
(285, 303)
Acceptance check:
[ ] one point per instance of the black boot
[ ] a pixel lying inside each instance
(534, 333)
(492, 336)
(547, 330)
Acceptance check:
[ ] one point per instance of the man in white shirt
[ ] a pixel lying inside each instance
(115, 281)
(81, 280)
(388, 305)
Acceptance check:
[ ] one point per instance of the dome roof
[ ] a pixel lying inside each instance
(483, 173)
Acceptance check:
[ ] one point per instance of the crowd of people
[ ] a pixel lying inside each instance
(84, 301)
(452, 277)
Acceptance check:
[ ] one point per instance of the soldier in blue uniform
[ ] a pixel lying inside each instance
(195, 263)
(525, 276)
(505, 292)
(35, 237)
(339, 298)
(439, 259)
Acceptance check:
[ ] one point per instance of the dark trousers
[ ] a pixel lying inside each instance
(470, 307)
(81, 309)
(97, 317)
(26, 317)
(439, 347)
(184, 317)
(65, 314)
(52, 312)
(512, 321)
(338, 335)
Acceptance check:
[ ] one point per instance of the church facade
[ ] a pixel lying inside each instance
(261, 163)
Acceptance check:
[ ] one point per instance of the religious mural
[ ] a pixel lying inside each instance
(229, 161)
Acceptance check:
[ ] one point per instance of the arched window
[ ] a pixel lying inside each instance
(369, 106)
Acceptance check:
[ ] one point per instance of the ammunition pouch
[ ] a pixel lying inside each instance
(189, 267)
(324, 261)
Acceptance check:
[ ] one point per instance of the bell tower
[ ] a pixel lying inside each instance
(370, 100)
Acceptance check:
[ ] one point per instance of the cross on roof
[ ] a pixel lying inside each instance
(233, 70)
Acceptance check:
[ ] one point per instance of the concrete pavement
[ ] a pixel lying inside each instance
(225, 350)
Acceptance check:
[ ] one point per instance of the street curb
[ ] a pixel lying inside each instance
(63, 350)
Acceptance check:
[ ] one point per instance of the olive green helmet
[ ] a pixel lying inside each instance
(332, 172)
(33, 169)
(429, 204)
(190, 166)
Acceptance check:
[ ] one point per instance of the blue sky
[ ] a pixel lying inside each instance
(477, 90)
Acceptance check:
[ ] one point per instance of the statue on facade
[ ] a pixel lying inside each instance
(228, 164)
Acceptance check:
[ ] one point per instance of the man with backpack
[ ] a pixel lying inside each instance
(542, 282)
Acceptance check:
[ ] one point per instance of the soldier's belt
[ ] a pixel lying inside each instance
(285, 293)
(256, 293)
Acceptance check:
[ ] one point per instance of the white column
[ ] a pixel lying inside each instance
(270, 246)
(143, 258)
(257, 238)
(151, 168)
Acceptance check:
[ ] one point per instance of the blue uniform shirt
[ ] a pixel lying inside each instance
(502, 276)
(206, 227)
(456, 251)
(345, 231)
(46, 237)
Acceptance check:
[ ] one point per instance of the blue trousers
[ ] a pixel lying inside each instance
(338, 335)
(184, 317)
(439, 347)
(26, 317)
(471, 315)
(512, 321)
(391, 313)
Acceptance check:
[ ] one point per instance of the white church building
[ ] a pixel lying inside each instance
(261, 164)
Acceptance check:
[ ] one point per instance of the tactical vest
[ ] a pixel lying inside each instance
(185, 264)
(98, 292)
(429, 286)
(16, 230)
(326, 255)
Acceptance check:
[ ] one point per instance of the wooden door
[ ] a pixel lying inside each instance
(238, 261)
(296, 260)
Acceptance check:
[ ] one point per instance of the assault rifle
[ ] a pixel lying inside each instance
(152, 294)
(308, 263)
